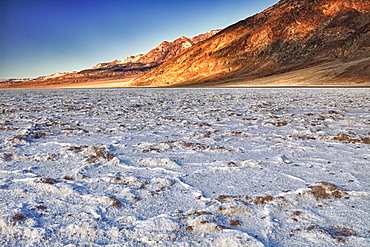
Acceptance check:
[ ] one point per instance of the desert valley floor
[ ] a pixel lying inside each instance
(185, 167)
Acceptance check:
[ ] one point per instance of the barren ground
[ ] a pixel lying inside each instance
(185, 167)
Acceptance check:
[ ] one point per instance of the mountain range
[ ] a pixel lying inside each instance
(293, 43)
(128, 68)
(325, 41)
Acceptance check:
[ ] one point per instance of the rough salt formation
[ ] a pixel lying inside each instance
(185, 167)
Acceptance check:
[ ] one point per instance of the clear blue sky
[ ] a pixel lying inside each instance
(42, 37)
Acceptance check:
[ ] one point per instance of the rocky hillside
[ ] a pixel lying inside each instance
(291, 36)
(131, 66)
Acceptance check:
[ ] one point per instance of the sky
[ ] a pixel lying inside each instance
(43, 37)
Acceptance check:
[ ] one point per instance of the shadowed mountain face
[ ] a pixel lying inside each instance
(293, 35)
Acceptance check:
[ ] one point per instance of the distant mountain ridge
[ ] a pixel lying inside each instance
(130, 66)
(330, 37)
(166, 50)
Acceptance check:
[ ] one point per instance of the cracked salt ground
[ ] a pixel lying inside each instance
(185, 167)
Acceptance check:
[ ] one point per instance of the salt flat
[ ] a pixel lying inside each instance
(185, 167)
